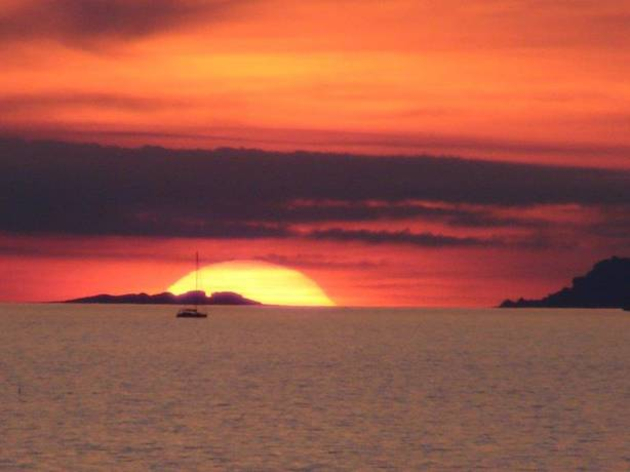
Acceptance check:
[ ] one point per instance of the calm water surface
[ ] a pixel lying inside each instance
(108, 388)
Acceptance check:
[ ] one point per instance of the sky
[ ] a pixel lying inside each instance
(396, 152)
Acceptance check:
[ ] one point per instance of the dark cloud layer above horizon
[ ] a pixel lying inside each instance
(80, 189)
(81, 22)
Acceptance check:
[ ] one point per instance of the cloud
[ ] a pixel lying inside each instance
(89, 22)
(37, 102)
(612, 222)
(320, 261)
(81, 189)
(410, 144)
(405, 237)
(452, 215)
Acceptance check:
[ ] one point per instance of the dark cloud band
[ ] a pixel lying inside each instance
(63, 188)
(81, 22)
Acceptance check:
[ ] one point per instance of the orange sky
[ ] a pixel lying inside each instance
(358, 274)
(509, 79)
(528, 81)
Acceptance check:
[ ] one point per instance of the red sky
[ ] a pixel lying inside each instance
(519, 81)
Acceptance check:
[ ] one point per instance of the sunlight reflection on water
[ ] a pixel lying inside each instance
(132, 388)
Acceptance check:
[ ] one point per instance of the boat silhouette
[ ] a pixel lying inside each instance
(193, 312)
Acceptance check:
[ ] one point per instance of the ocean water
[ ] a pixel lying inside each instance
(104, 388)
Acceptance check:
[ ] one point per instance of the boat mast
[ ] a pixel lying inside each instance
(196, 279)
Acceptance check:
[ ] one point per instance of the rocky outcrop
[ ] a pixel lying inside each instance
(607, 285)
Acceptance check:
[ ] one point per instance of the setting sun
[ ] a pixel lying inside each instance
(267, 283)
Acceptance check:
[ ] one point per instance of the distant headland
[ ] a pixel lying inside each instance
(607, 285)
(190, 298)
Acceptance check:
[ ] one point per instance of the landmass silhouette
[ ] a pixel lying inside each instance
(189, 298)
(607, 285)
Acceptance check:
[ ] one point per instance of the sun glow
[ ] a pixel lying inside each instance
(261, 281)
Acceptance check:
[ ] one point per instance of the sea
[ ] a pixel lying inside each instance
(132, 388)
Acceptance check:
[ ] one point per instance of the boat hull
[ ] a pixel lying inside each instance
(191, 314)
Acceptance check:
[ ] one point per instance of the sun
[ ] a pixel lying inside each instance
(267, 283)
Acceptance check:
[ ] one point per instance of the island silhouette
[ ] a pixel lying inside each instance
(607, 285)
(195, 297)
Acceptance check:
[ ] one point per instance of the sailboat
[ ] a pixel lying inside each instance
(193, 312)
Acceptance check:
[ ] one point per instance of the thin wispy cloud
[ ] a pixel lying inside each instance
(38, 101)
(428, 240)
